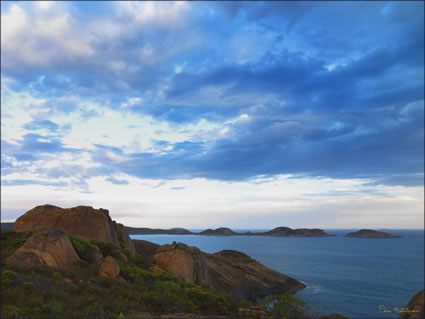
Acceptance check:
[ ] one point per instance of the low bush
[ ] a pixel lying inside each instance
(41, 292)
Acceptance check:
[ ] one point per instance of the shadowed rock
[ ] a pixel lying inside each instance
(227, 271)
(145, 248)
(124, 238)
(415, 308)
(47, 247)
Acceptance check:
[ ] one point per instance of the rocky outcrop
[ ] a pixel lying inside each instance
(300, 232)
(222, 231)
(145, 248)
(243, 278)
(369, 233)
(157, 231)
(415, 308)
(124, 238)
(47, 247)
(109, 268)
(228, 271)
(184, 262)
(81, 221)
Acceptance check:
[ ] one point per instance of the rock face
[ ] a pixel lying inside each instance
(222, 231)
(187, 263)
(81, 221)
(415, 308)
(124, 238)
(47, 247)
(368, 233)
(109, 268)
(228, 271)
(145, 248)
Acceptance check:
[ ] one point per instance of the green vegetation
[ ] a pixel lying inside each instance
(236, 255)
(45, 292)
(138, 293)
(286, 307)
(11, 241)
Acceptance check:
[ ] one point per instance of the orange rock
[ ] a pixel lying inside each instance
(109, 268)
(182, 261)
(47, 247)
(227, 271)
(81, 221)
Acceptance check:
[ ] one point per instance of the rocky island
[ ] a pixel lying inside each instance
(368, 233)
(224, 231)
(79, 262)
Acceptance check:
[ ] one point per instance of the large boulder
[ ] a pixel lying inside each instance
(109, 268)
(184, 262)
(415, 308)
(228, 271)
(124, 238)
(81, 221)
(47, 247)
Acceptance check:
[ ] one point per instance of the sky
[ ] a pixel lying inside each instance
(249, 115)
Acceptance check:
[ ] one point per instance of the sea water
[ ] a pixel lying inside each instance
(356, 277)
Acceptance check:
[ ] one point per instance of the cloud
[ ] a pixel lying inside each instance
(117, 181)
(41, 124)
(267, 88)
(20, 182)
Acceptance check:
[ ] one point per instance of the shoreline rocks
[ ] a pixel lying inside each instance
(229, 271)
(415, 309)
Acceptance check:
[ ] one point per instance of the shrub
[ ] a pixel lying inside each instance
(286, 307)
(57, 275)
(108, 249)
(6, 283)
(138, 261)
(8, 274)
(12, 241)
(28, 285)
(84, 248)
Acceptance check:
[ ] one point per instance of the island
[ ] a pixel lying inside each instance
(78, 262)
(221, 231)
(369, 233)
(224, 231)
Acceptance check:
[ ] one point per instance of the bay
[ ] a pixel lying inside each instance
(357, 277)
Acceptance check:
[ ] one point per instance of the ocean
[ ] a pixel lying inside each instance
(356, 277)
